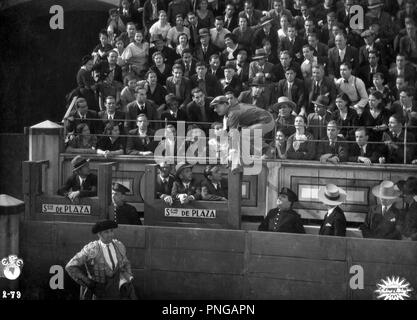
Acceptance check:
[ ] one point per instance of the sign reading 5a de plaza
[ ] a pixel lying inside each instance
(190, 213)
(66, 209)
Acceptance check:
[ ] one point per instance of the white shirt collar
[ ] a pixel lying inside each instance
(330, 211)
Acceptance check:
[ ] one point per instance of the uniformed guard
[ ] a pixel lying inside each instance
(109, 275)
(123, 213)
(283, 218)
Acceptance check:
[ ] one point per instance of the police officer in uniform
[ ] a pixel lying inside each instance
(123, 213)
(283, 218)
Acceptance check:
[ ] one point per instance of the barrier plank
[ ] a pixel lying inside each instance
(136, 257)
(294, 245)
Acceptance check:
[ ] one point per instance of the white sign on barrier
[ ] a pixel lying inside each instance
(190, 213)
(66, 208)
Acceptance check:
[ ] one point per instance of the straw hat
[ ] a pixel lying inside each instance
(332, 195)
(386, 190)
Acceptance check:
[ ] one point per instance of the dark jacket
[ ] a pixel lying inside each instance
(137, 144)
(133, 111)
(326, 87)
(372, 152)
(282, 221)
(351, 56)
(118, 118)
(88, 189)
(334, 225)
(340, 149)
(127, 214)
(74, 120)
(201, 56)
(212, 85)
(192, 190)
(185, 89)
(297, 92)
(378, 226)
(194, 114)
(163, 188)
(407, 224)
(215, 194)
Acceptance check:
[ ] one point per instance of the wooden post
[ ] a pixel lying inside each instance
(235, 198)
(10, 210)
(104, 189)
(46, 142)
(150, 173)
(32, 186)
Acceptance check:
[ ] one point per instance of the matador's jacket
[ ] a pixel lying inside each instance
(105, 281)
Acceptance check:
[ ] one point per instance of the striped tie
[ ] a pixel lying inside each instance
(113, 265)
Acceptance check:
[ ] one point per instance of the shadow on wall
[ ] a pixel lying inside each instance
(38, 65)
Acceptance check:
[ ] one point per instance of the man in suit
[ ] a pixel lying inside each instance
(334, 222)
(320, 85)
(259, 64)
(164, 182)
(242, 66)
(82, 183)
(321, 50)
(185, 189)
(141, 140)
(326, 34)
(277, 11)
(173, 113)
(367, 71)
(179, 85)
(382, 219)
(266, 32)
(256, 94)
(231, 82)
(408, 218)
(333, 149)
(293, 89)
(283, 218)
(112, 76)
(362, 151)
(205, 81)
(230, 17)
(285, 63)
(199, 110)
(252, 15)
(124, 213)
(187, 62)
(293, 44)
(160, 45)
(214, 66)
(370, 45)
(407, 43)
(82, 115)
(403, 68)
(109, 275)
(205, 49)
(111, 114)
(214, 188)
(317, 121)
(341, 53)
(141, 106)
(194, 27)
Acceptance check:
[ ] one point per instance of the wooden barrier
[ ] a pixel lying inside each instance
(207, 214)
(190, 263)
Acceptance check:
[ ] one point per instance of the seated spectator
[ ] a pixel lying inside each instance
(82, 141)
(403, 68)
(272, 56)
(173, 113)
(128, 94)
(376, 117)
(283, 31)
(299, 144)
(168, 147)
(161, 69)
(141, 140)
(293, 89)
(320, 49)
(333, 149)
(407, 108)
(408, 219)
(182, 44)
(128, 13)
(180, 86)
(187, 63)
(231, 82)
(218, 33)
(259, 64)
(176, 7)
(388, 96)
(282, 112)
(185, 189)
(112, 75)
(214, 66)
(204, 50)
(394, 142)
(293, 43)
(318, 120)
(164, 183)
(86, 84)
(156, 92)
(141, 105)
(100, 51)
(111, 114)
(218, 143)
(371, 67)
(136, 54)
(82, 115)
(242, 67)
(283, 218)
(267, 32)
(334, 222)
(159, 45)
(352, 86)
(161, 27)
(286, 62)
(124, 213)
(278, 148)
(362, 151)
(207, 83)
(320, 85)
(244, 32)
(345, 117)
(82, 183)
(119, 47)
(382, 219)
(199, 111)
(115, 24)
(204, 15)
(214, 188)
(256, 94)
(111, 144)
(232, 48)
(175, 31)
(370, 46)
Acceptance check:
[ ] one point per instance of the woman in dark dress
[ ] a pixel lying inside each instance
(156, 92)
(161, 69)
(204, 15)
(376, 117)
(111, 144)
(345, 117)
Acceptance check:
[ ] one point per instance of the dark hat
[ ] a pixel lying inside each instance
(218, 100)
(292, 197)
(170, 98)
(118, 187)
(373, 4)
(265, 20)
(103, 225)
(410, 186)
(257, 82)
(78, 162)
(260, 54)
(181, 166)
(157, 37)
(203, 32)
(230, 65)
(367, 33)
(322, 101)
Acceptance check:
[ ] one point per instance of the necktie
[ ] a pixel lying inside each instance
(217, 38)
(82, 184)
(289, 94)
(362, 151)
(316, 89)
(384, 210)
(341, 55)
(113, 265)
(332, 144)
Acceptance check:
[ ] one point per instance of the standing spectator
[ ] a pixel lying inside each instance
(136, 54)
(299, 144)
(218, 33)
(334, 222)
(341, 54)
(352, 86)
(124, 213)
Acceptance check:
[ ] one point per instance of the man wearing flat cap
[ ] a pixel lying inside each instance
(124, 213)
(82, 183)
(382, 219)
(283, 218)
(109, 275)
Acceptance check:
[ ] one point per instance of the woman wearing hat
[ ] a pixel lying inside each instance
(109, 275)
(185, 189)
(82, 183)
(283, 218)
(382, 219)
(334, 222)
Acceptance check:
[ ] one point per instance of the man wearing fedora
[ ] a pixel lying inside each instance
(283, 114)
(256, 94)
(259, 64)
(231, 82)
(185, 189)
(82, 183)
(382, 219)
(205, 49)
(317, 121)
(375, 13)
(268, 31)
(124, 213)
(408, 218)
(283, 218)
(334, 222)
(109, 275)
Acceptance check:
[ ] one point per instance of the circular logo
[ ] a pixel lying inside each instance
(11, 272)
